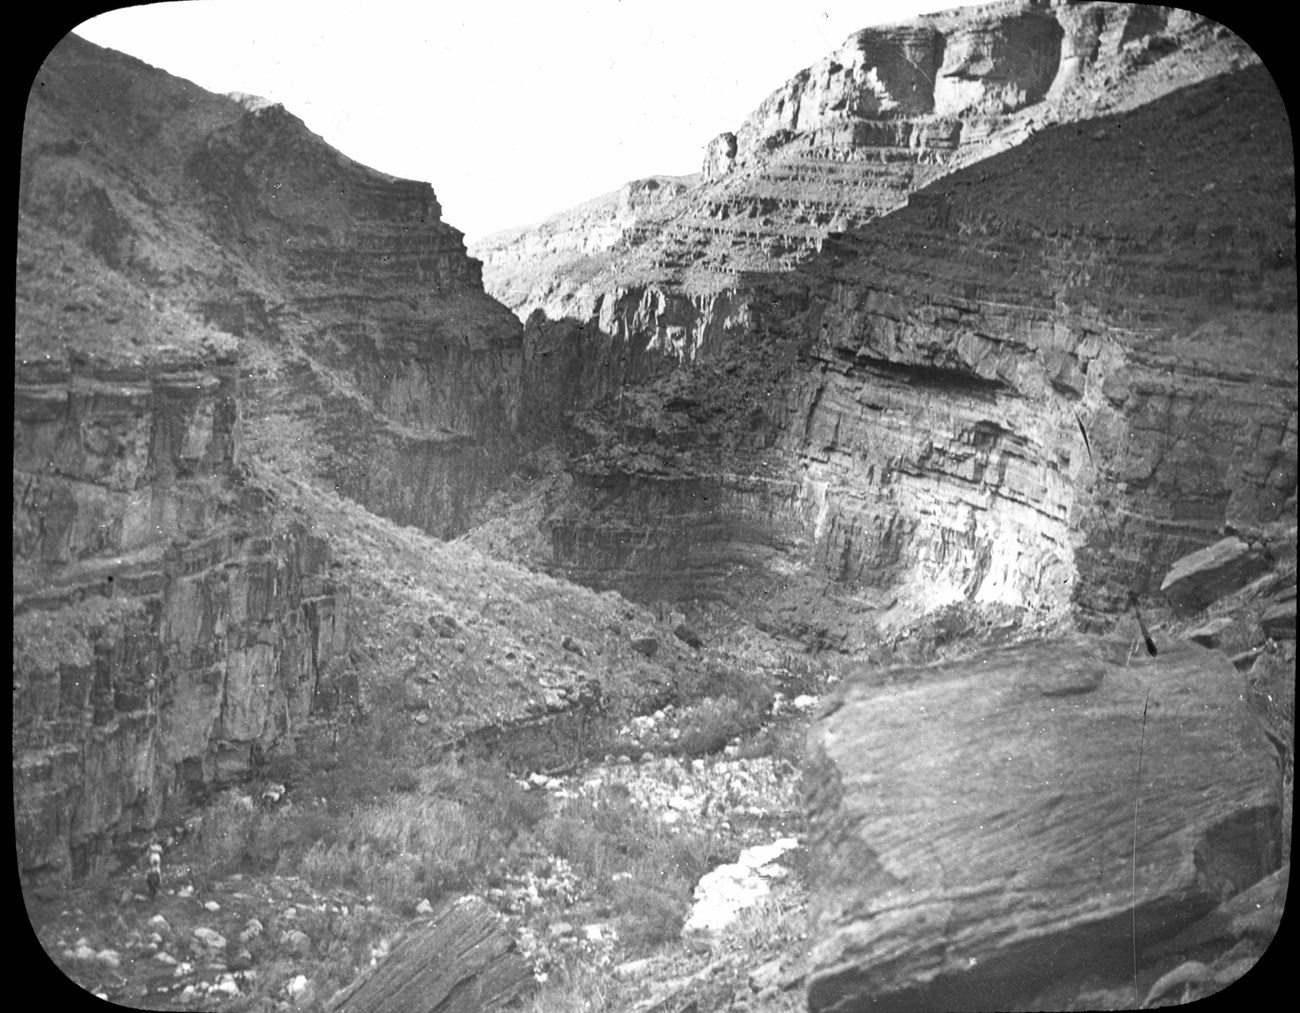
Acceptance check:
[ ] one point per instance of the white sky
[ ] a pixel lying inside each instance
(513, 110)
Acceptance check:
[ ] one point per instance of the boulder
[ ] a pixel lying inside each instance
(463, 961)
(1209, 634)
(723, 893)
(210, 938)
(1278, 621)
(1205, 576)
(296, 941)
(688, 636)
(648, 646)
(981, 827)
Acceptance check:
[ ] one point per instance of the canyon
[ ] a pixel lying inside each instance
(979, 332)
(974, 400)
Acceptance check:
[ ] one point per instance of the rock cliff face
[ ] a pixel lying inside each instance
(966, 864)
(417, 369)
(234, 213)
(168, 624)
(1048, 377)
(204, 287)
(849, 138)
(546, 265)
(1144, 373)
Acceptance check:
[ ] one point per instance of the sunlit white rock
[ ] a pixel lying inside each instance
(726, 891)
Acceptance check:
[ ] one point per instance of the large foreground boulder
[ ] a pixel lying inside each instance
(462, 961)
(983, 827)
(1205, 576)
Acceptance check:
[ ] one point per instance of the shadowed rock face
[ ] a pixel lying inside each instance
(1035, 382)
(202, 282)
(167, 623)
(985, 828)
(1036, 386)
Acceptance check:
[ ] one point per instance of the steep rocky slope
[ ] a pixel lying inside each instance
(222, 323)
(233, 212)
(847, 140)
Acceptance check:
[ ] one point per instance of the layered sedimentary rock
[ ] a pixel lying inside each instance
(1055, 811)
(204, 285)
(544, 266)
(1038, 385)
(848, 139)
(416, 369)
(1138, 329)
(168, 625)
(230, 211)
(460, 962)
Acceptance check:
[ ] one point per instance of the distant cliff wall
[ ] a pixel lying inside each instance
(849, 138)
(1051, 375)
(755, 421)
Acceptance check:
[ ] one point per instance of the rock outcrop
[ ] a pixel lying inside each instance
(1211, 573)
(545, 266)
(1058, 810)
(169, 623)
(367, 340)
(1035, 387)
(204, 290)
(462, 961)
(849, 138)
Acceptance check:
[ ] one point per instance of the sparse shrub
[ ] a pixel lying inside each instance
(590, 851)
(650, 909)
(405, 780)
(273, 975)
(736, 704)
(706, 727)
(403, 851)
(492, 794)
(688, 855)
(784, 742)
(226, 832)
(599, 836)
(573, 987)
(646, 870)
(282, 768)
(773, 922)
(753, 691)
(103, 888)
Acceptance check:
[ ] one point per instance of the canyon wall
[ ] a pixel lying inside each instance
(1049, 376)
(849, 138)
(546, 266)
(343, 281)
(414, 369)
(169, 624)
(209, 296)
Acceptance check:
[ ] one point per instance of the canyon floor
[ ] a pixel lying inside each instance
(588, 835)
